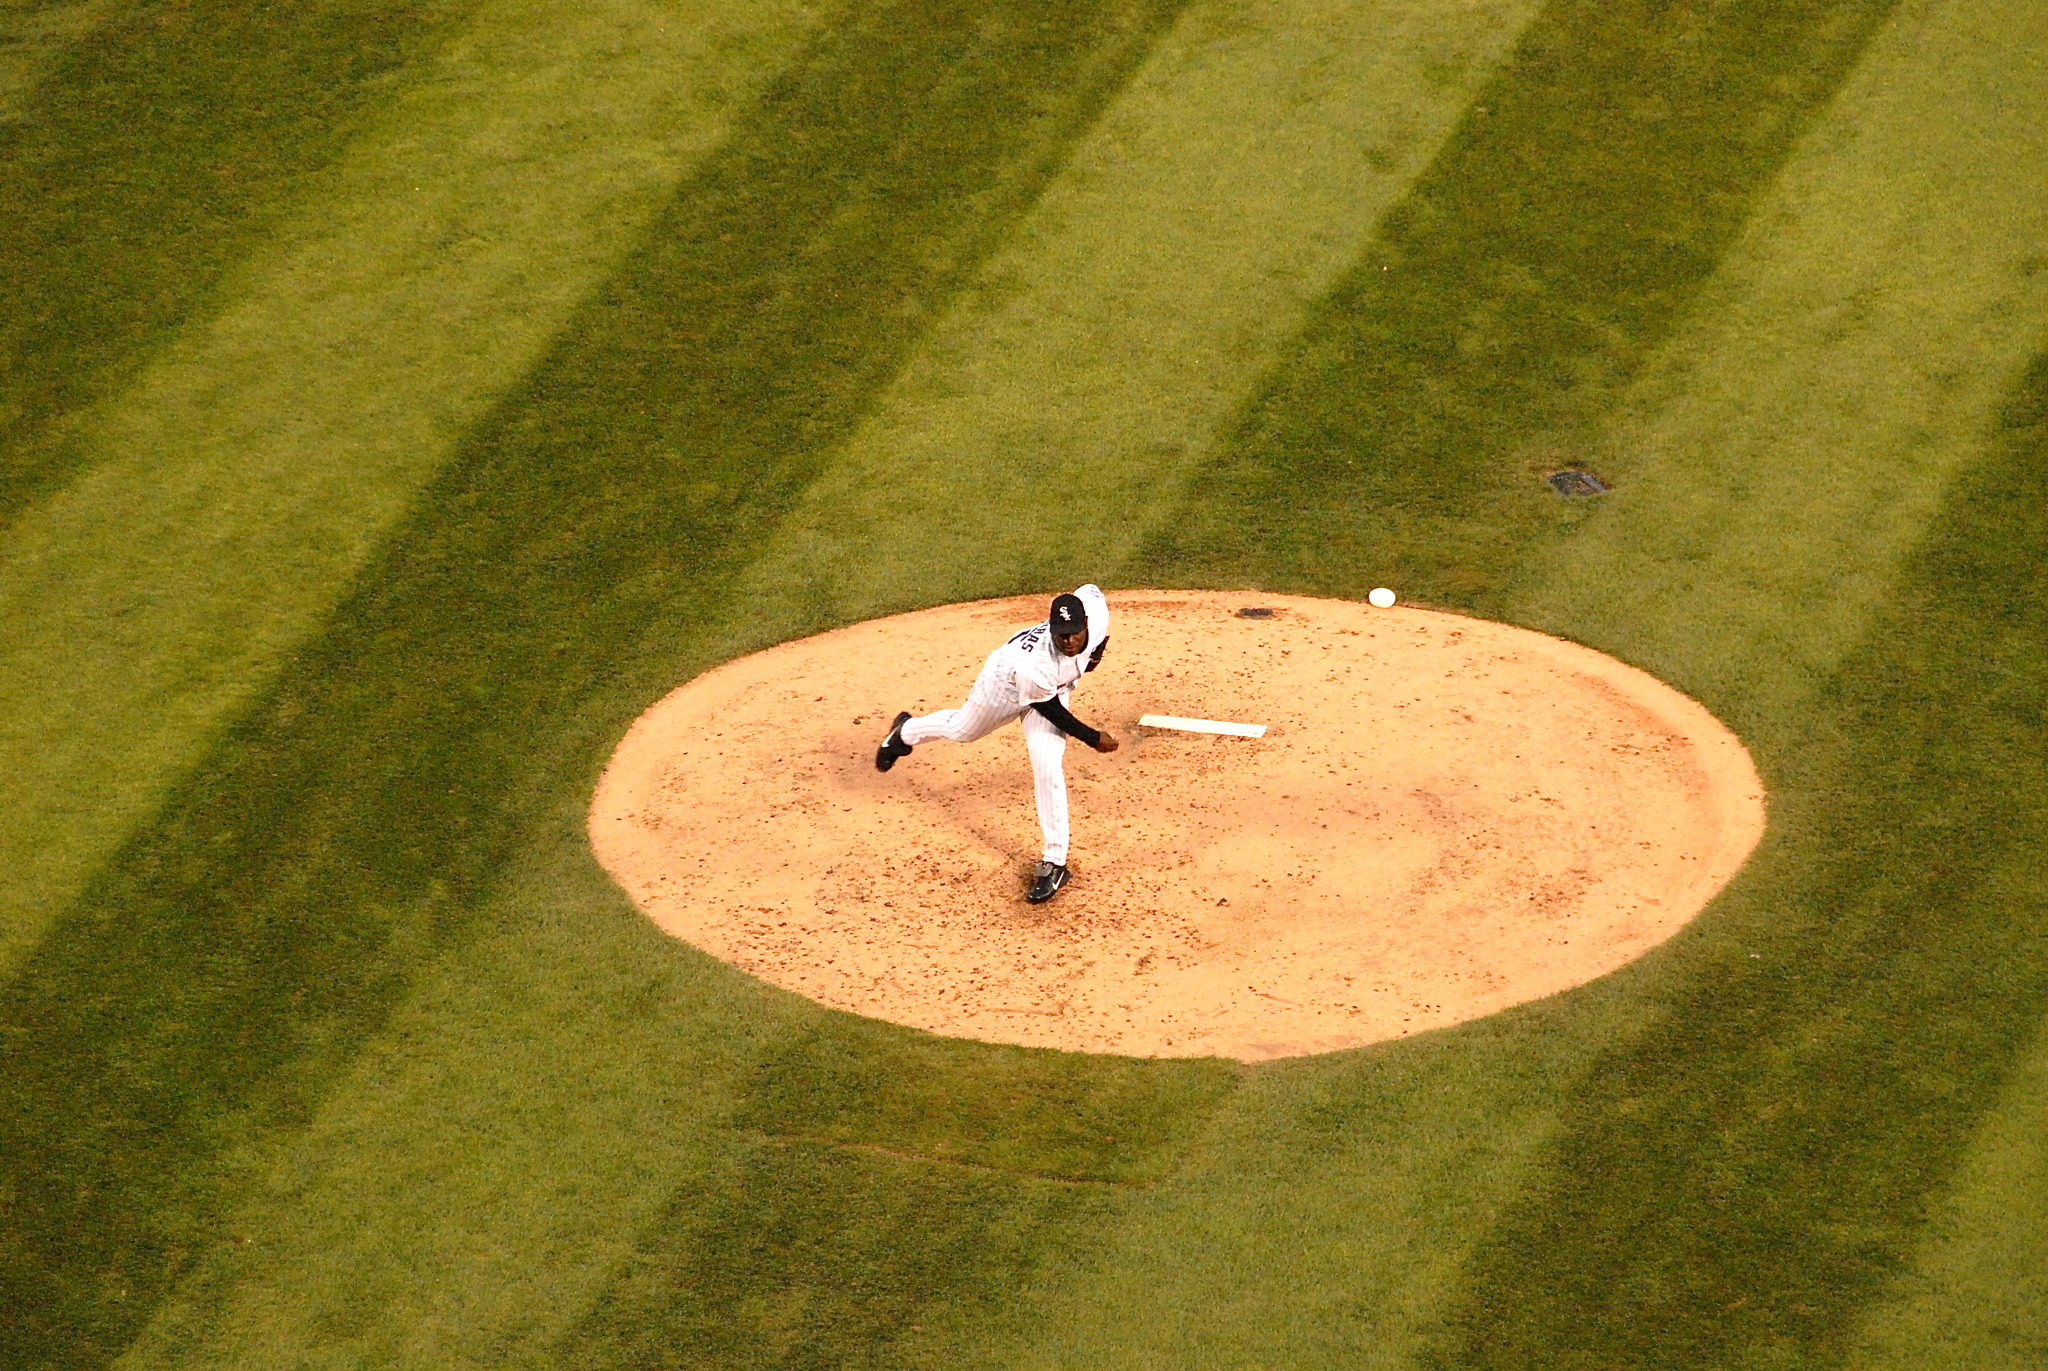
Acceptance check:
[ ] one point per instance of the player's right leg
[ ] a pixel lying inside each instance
(963, 725)
(973, 719)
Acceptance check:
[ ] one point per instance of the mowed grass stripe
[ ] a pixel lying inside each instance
(1789, 444)
(1318, 1132)
(37, 44)
(1735, 1184)
(1506, 303)
(1336, 1200)
(1320, 1222)
(1006, 1138)
(1368, 1289)
(475, 1177)
(879, 1240)
(1975, 1292)
(1046, 425)
(243, 478)
(1459, 1163)
(1738, 1181)
(149, 148)
(216, 983)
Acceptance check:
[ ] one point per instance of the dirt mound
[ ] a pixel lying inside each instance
(1446, 816)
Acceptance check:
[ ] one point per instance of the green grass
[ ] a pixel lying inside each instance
(1028, 1112)
(227, 495)
(239, 950)
(1971, 1293)
(1974, 1293)
(1558, 239)
(1737, 1183)
(820, 1257)
(1320, 1219)
(1892, 342)
(1104, 349)
(353, 1056)
(891, 1179)
(143, 167)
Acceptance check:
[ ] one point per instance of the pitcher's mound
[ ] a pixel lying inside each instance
(1445, 817)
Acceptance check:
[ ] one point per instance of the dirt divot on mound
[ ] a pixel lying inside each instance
(1445, 817)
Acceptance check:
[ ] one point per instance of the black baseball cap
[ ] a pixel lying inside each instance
(1069, 615)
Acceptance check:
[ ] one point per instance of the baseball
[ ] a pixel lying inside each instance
(1382, 598)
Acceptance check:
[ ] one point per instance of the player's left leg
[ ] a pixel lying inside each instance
(1048, 748)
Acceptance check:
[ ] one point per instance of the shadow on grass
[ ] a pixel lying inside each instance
(1036, 1112)
(894, 1178)
(821, 1257)
(230, 961)
(1553, 244)
(1733, 1187)
(143, 169)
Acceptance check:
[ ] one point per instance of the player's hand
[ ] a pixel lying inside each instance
(1107, 744)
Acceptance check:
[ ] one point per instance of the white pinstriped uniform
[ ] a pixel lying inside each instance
(1022, 672)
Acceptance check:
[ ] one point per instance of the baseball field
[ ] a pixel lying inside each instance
(398, 398)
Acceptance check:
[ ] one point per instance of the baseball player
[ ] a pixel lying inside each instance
(1030, 678)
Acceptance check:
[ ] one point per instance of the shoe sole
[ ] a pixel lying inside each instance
(886, 754)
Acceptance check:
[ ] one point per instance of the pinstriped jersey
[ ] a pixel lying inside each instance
(1030, 668)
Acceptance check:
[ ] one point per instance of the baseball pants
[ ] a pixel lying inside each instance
(1046, 744)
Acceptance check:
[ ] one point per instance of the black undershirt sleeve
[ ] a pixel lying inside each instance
(1065, 722)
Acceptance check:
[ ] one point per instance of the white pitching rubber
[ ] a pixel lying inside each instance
(1202, 726)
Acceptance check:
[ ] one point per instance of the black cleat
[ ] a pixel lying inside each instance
(1050, 879)
(893, 746)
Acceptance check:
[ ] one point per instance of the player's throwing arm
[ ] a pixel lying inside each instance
(1030, 678)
